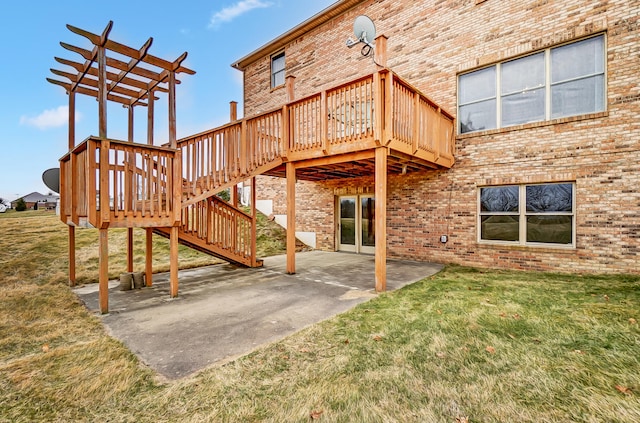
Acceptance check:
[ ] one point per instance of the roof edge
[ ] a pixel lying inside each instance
(336, 9)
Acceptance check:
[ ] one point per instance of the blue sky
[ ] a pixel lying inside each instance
(33, 112)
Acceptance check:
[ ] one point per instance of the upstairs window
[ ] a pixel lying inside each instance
(277, 70)
(558, 82)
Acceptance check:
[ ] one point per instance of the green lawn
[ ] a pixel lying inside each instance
(463, 345)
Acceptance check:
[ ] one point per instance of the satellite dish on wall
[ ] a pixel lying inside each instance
(364, 29)
(365, 32)
(51, 178)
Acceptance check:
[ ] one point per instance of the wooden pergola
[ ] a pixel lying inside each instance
(111, 71)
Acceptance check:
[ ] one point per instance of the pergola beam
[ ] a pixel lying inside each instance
(130, 52)
(94, 83)
(94, 93)
(114, 63)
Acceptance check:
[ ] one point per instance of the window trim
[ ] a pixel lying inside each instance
(547, 87)
(273, 73)
(522, 217)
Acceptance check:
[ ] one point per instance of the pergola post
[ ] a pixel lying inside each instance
(173, 239)
(148, 264)
(381, 219)
(291, 218)
(173, 262)
(129, 195)
(172, 110)
(148, 261)
(103, 264)
(72, 229)
(72, 255)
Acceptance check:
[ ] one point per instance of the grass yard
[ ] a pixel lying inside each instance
(465, 345)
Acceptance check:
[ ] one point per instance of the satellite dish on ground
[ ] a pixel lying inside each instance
(51, 178)
(365, 32)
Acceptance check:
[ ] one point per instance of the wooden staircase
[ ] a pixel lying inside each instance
(215, 227)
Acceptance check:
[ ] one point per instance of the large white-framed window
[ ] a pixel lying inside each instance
(568, 80)
(277, 69)
(536, 214)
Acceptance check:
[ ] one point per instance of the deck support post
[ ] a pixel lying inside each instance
(130, 250)
(103, 264)
(291, 218)
(380, 52)
(381, 219)
(148, 264)
(290, 88)
(233, 111)
(254, 224)
(173, 262)
(72, 255)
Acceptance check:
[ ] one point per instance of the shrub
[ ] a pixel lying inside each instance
(21, 205)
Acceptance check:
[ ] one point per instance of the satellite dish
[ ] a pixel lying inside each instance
(51, 178)
(364, 30)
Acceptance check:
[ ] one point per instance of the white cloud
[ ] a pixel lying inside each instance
(51, 118)
(229, 13)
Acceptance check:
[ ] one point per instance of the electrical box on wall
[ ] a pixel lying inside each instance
(444, 239)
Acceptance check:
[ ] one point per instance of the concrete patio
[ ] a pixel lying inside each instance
(224, 312)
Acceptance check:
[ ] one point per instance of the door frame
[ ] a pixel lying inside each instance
(357, 247)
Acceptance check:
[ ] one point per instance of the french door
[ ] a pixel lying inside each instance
(356, 223)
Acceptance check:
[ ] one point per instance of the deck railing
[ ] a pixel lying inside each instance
(419, 126)
(216, 159)
(120, 184)
(109, 182)
(374, 110)
(215, 225)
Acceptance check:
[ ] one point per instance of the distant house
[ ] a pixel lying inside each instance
(35, 201)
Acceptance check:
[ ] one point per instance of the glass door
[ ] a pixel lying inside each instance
(367, 224)
(356, 224)
(347, 224)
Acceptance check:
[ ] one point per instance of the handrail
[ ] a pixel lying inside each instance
(346, 118)
(116, 183)
(219, 227)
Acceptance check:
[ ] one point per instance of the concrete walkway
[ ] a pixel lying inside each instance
(223, 312)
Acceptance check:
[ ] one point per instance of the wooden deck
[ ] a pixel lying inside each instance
(373, 125)
(331, 134)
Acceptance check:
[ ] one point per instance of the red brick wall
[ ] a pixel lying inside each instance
(430, 42)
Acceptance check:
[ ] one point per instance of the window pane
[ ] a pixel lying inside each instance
(478, 85)
(278, 79)
(527, 106)
(499, 228)
(577, 59)
(478, 116)
(549, 198)
(368, 234)
(578, 97)
(550, 229)
(348, 221)
(277, 63)
(523, 74)
(499, 199)
(277, 70)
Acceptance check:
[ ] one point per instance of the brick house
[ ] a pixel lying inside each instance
(35, 201)
(546, 97)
